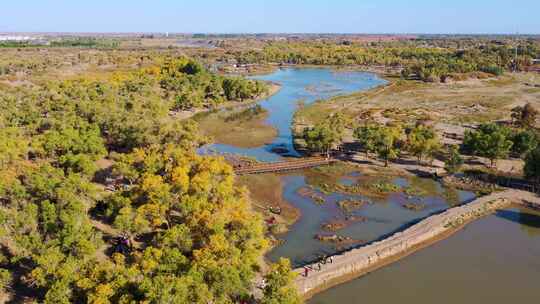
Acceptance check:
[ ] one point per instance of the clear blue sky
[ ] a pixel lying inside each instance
(250, 16)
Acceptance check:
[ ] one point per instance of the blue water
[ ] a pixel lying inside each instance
(306, 85)
(385, 216)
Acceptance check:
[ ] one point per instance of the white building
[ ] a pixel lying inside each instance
(16, 38)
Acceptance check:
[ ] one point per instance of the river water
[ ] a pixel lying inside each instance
(306, 85)
(494, 260)
(383, 216)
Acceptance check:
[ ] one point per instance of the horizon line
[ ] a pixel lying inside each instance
(271, 33)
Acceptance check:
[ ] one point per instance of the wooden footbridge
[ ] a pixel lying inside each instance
(301, 163)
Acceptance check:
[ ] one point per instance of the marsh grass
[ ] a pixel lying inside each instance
(245, 128)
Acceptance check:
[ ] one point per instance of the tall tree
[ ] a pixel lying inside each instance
(386, 143)
(423, 142)
(524, 141)
(325, 135)
(279, 288)
(367, 136)
(490, 140)
(453, 161)
(532, 165)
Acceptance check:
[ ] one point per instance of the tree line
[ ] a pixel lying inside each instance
(422, 58)
(492, 141)
(82, 160)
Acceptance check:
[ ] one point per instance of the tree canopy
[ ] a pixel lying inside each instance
(532, 165)
(325, 135)
(85, 159)
(490, 140)
(382, 139)
(422, 141)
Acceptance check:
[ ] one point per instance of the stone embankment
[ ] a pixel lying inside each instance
(360, 261)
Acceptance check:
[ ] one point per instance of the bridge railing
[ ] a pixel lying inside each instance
(284, 166)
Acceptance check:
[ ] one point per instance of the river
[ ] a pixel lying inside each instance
(493, 260)
(380, 218)
(306, 85)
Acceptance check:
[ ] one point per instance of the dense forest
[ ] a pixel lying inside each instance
(428, 60)
(104, 200)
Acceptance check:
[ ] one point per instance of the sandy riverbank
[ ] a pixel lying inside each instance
(361, 261)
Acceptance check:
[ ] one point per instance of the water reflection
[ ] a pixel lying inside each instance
(306, 84)
(529, 221)
(380, 218)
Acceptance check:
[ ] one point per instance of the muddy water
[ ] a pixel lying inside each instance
(381, 217)
(494, 260)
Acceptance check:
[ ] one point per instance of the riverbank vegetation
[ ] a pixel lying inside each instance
(103, 198)
(429, 60)
(243, 127)
(374, 132)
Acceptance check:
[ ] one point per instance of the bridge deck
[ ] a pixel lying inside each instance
(285, 165)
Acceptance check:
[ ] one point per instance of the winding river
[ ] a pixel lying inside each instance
(446, 266)
(298, 85)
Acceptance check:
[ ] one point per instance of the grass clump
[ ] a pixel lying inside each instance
(384, 187)
(412, 191)
(350, 205)
(414, 206)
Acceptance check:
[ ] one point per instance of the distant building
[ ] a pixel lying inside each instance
(16, 38)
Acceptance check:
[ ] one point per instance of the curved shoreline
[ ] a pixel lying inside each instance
(274, 88)
(358, 262)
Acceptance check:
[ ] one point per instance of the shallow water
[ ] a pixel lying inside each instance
(493, 260)
(383, 217)
(307, 85)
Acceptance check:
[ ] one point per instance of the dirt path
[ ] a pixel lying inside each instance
(358, 262)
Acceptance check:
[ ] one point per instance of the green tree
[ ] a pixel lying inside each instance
(325, 135)
(524, 142)
(423, 142)
(367, 136)
(453, 161)
(490, 140)
(386, 144)
(279, 285)
(532, 165)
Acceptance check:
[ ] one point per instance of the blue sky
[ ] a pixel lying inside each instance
(220, 16)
